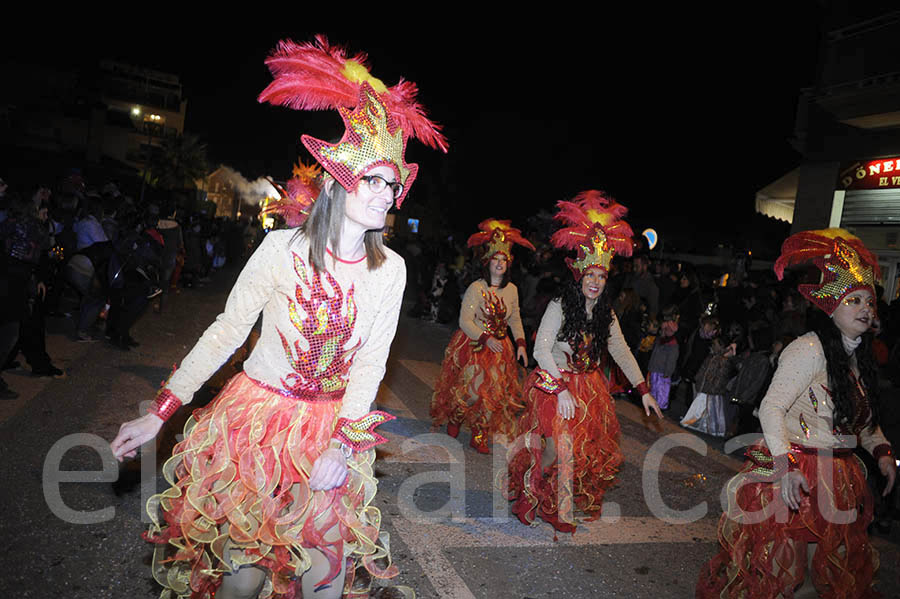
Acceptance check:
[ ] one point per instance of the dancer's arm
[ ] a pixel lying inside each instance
(515, 322)
(621, 354)
(468, 313)
(230, 329)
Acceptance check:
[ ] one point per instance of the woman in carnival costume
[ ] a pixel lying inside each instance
(570, 430)
(479, 381)
(801, 504)
(271, 488)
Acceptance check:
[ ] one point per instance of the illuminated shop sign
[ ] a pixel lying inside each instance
(873, 174)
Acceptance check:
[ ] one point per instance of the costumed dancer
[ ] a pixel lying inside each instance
(479, 380)
(801, 504)
(271, 488)
(570, 430)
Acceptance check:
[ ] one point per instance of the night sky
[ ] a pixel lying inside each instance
(683, 116)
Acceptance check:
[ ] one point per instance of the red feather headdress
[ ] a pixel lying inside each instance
(594, 227)
(499, 235)
(378, 119)
(846, 265)
(296, 201)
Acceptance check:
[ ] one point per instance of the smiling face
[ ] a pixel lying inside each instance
(855, 313)
(367, 209)
(593, 282)
(498, 265)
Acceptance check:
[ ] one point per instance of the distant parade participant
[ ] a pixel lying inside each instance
(479, 381)
(272, 486)
(799, 510)
(570, 430)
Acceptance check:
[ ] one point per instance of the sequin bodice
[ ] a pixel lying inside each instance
(323, 333)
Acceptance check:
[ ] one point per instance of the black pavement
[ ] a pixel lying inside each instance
(72, 517)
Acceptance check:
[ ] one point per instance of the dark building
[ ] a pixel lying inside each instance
(848, 133)
(113, 115)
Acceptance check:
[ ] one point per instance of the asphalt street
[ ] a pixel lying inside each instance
(72, 517)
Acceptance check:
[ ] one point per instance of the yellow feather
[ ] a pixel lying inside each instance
(357, 73)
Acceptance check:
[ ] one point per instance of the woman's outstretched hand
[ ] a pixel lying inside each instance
(133, 434)
(793, 486)
(328, 471)
(565, 405)
(520, 355)
(650, 404)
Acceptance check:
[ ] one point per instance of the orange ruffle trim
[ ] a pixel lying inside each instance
(239, 495)
(591, 438)
(763, 544)
(472, 370)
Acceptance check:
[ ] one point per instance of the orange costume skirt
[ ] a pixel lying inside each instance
(239, 495)
(472, 372)
(587, 446)
(764, 544)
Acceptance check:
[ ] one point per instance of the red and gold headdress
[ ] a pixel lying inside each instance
(846, 265)
(499, 235)
(378, 119)
(594, 228)
(296, 201)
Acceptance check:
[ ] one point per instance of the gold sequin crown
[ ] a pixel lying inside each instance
(499, 235)
(846, 265)
(594, 227)
(378, 119)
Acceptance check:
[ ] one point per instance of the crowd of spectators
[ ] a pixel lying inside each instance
(714, 332)
(99, 259)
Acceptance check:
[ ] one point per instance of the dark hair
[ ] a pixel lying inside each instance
(324, 224)
(576, 323)
(838, 368)
(486, 272)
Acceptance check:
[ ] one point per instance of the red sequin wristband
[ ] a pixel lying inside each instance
(882, 451)
(642, 388)
(360, 434)
(547, 383)
(520, 343)
(165, 404)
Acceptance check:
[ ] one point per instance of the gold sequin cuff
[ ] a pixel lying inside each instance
(548, 383)
(882, 451)
(769, 468)
(165, 404)
(360, 434)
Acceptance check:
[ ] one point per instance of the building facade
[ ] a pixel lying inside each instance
(848, 133)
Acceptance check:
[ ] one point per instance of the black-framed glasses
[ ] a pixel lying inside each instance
(377, 184)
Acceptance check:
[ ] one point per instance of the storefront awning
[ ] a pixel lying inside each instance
(777, 198)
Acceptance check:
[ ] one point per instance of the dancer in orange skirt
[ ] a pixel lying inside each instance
(479, 381)
(570, 432)
(798, 512)
(272, 487)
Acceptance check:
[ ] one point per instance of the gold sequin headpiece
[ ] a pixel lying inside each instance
(378, 120)
(595, 228)
(846, 265)
(499, 235)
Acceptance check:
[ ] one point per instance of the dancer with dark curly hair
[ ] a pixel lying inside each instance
(479, 381)
(570, 430)
(798, 512)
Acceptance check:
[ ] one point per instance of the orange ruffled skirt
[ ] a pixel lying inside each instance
(239, 495)
(471, 370)
(588, 455)
(764, 544)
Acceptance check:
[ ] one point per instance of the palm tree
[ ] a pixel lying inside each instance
(180, 164)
